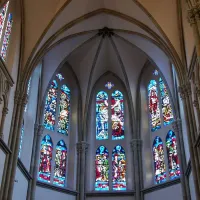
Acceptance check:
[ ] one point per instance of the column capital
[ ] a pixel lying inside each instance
(82, 147)
(136, 144)
(5, 111)
(194, 13)
(185, 90)
(177, 126)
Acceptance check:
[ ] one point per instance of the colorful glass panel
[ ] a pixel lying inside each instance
(28, 90)
(102, 116)
(102, 169)
(59, 76)
(117, 111)
(154, 106)
(6, 37)
(3, 13)
(155, 72)
(50, 106)
(159, 163)
(64, 108)
(21, 140)
(173, 161)
(119, 168)
(45, 159)
(166, 105)
(109, 85)
(60, 164)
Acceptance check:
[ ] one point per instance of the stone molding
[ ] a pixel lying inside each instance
(39, 128)
(136, 144)
(82, 147)
(177, 126)
(185, 90)
(194, 13)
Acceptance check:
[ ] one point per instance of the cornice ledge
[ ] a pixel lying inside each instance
(160, 186)
(6, 73)
(109, 193)
(24, 170)
(4, 147)
(56, 188)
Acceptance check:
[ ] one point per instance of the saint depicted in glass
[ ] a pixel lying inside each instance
(60, 164)
(45, 159)
(21, 140)
(119, 168)
(166, 105)
(64, 109)
(50, 106)
(102, 116)
(173, 161)
(117, 111)
(59, 76)
(3, 13)
(6, 38)
(154, 109)
(102, 169)
(159, 164)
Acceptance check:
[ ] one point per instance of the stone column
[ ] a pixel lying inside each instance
(38, 132)
(82, 150)
(4, 113)
(136, 145)
(177, 128)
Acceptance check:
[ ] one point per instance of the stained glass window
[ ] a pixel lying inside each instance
(50, 106)
(3, 17)
(102, 116)
(117, 111)
(159, 164)
(166, 105)
(45, 159)
(173, 161)
(21, 140)
(59, 76)
(119, 168)
(102, 169)
(109, 85)
(28, 90)
(155, 72)
(6, 37)
(154, 106)
(64, 108)
(60, 164)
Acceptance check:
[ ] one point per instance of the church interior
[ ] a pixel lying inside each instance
(100, 99)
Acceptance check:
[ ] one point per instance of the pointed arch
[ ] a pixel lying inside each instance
(166, 105)
(117, 111)
(50, 106)
(119, 168)
(159, 161)
(172, 154)
(102, 116)
(154, 110)
(64, 110)
(60, 164)
(21, 140)
(102, 169)
(45, 159)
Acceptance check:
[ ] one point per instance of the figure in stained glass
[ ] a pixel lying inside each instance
(50, 106)
(64, 108)
(159, 164)
(173, 161)
(166, 105)
(59, 76)
(154, 109)
(3, 13)
(102, 116)
(117, 112)
(102, 169)
(45, 159)
(119, 168)
(6, 38)
(109, 85)
(60, 164)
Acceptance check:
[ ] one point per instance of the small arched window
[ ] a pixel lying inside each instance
(159, 161)
(60, 164)
(45, 159)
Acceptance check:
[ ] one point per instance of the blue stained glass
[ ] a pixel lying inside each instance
(172, 153)
(60, 77)
(45, 159)
(167, 112)
(50, 106)
(154, 109)
(21, 140)
(119, 168)
(60, 164)
(109, 85)
(28, 90)
(64, 108)
(102, 169)
(102, 116)
(117, 111)
(159, 161)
